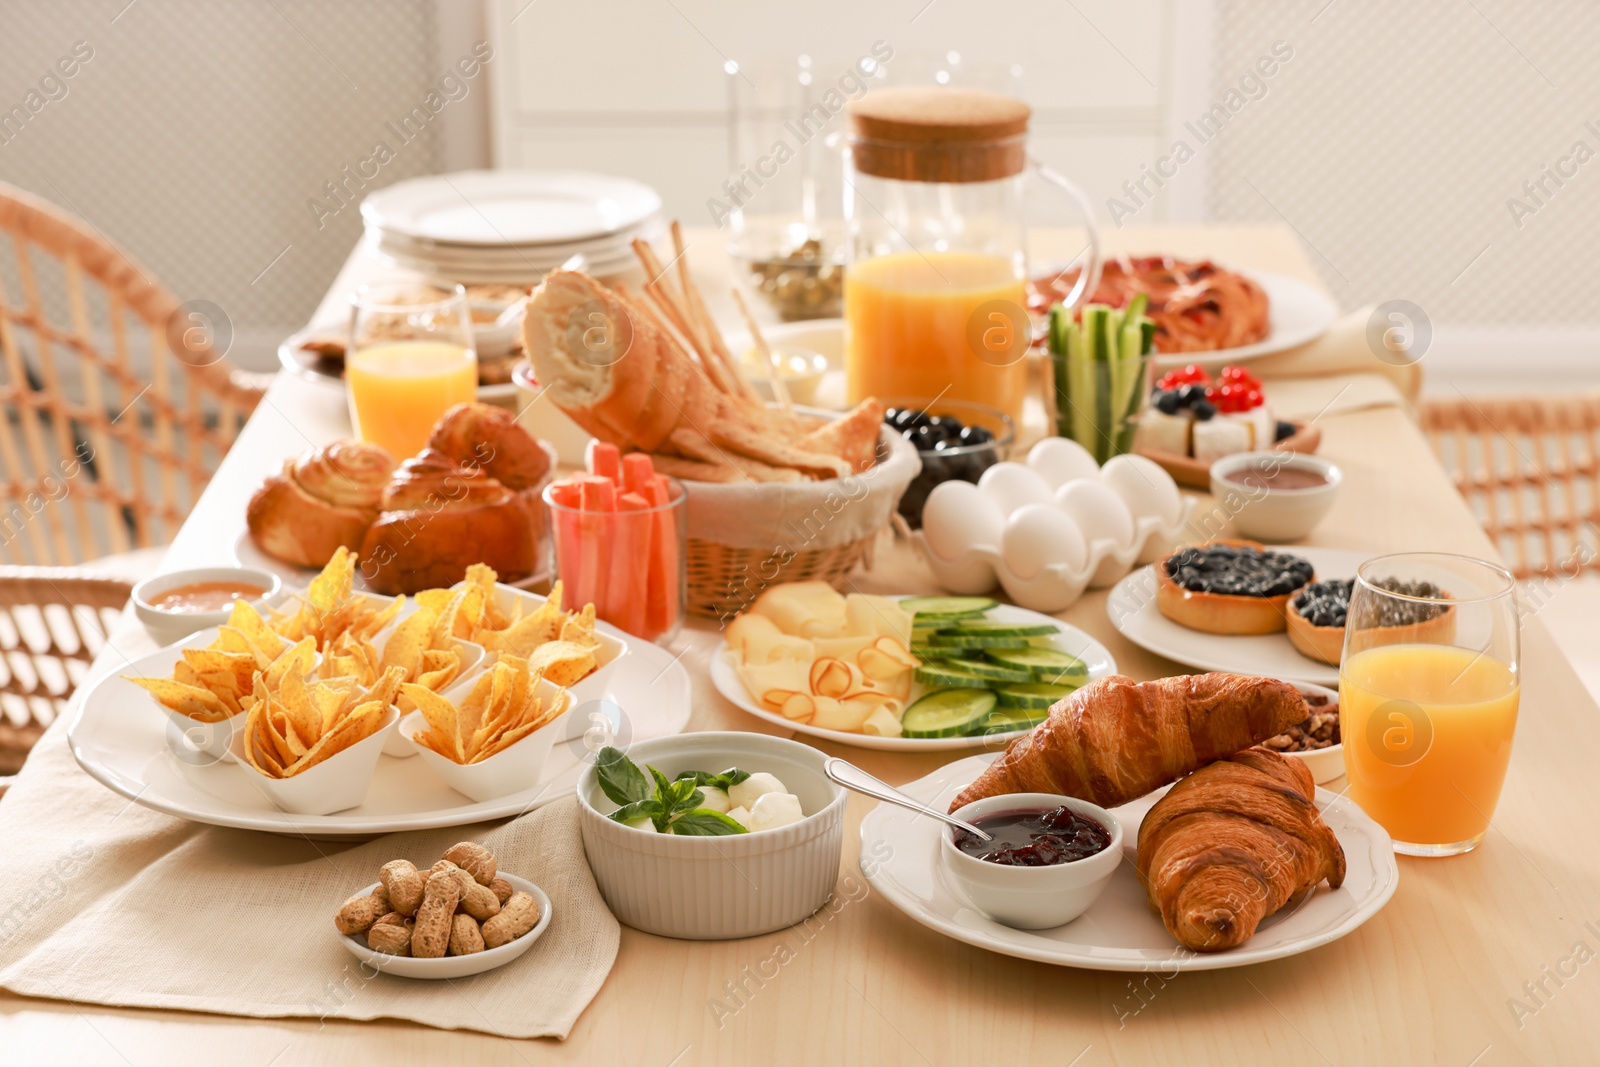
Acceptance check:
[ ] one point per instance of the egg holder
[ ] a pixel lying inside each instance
(1055, 587)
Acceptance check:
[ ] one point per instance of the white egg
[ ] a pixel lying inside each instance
(715, 799)
(957, 516)
(747, 792)
(1011, 485)
(1144, 487)
(774, 810)
(1097, 510)
(1058, 460)
(1038, 535)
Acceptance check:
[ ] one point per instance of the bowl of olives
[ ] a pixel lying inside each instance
(956, 440)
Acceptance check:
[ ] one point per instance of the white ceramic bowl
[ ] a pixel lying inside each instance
(1032, 898)
(169, 626)
(336, 784)
(517, 768)
(716, 888)
(1325, 764)
(454, 966)
(1274, 514)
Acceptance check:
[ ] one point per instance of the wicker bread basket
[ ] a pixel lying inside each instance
(746, 537)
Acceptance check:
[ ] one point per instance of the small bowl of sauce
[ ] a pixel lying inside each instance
(1048, 860)
(179, 603)
(1274, 496)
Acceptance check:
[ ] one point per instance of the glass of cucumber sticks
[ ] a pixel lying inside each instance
(1101, 361)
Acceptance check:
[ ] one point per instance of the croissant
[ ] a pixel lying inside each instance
(1116, 739)
(325, 498)
(1230, 844)
(439, 518)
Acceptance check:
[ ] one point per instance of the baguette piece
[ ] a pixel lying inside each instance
(1230, 844)
(1115, 739)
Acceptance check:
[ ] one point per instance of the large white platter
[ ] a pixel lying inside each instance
(119, 735)
(1120, 932)
(1069, 639)
(1133, 611)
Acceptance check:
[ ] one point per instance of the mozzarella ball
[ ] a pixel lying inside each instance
(747, 792)
(774, 810)
(740, 816)
(716, 799)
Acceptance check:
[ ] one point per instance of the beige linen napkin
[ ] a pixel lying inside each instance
(1342, 350)
(105, 901)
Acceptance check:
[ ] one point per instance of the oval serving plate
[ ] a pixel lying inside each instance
(1068, 639)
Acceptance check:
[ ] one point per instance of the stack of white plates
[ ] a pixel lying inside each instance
(511, 226)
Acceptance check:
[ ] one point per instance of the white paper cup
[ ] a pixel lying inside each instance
(517, 768)
(336, 784)
(473, 660)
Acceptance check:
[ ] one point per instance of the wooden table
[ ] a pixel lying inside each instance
(1431, 979)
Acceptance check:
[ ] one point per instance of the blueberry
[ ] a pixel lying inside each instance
(1203, 409)
(1190, 395)
(976, 435)
(1167, 403)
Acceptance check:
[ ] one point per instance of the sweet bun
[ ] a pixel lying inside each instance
(482, 435)
(323, 499)
(438, 518)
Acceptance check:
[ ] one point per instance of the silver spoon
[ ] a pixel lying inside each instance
(850, 776)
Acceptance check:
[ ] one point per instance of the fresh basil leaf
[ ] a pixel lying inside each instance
(689, 802)
(700, 777)
(729, 778)
(638, 809)
(619, 779)
(703, 822)
(663, 787)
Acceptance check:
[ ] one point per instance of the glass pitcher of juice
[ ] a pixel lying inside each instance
(934, 292)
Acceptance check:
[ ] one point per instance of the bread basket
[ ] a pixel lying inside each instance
(746, 536)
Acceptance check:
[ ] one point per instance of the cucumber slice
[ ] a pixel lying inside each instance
(947, 605)
(941, 673)
(927, 652)
(1002, 629)
(948, 639)
(1006, 720)
(989, 672)
(948, 712)
(1032, 695)
(1045, 664)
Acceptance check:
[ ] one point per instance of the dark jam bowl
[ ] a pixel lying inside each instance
(949, 460)
(1032, 897)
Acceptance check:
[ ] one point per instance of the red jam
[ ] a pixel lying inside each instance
(1034, 838)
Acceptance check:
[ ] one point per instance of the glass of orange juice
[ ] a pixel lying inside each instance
(410, 359)
(1428, 689)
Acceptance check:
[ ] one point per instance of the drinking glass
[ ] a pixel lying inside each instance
(410, 359)
(1428, 688)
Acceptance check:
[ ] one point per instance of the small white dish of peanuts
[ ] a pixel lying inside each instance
(462, 916)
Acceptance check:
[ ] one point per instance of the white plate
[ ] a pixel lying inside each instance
(296, 579)
(455, 966)
(1298, 312)
(1133, 611)
(499, 207)
(306, 366)
(119, 736)
(1069, 639)
(1120, 931)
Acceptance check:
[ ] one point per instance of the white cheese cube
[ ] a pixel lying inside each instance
(747, 792)
(774, 810)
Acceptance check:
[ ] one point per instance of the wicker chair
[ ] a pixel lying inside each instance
(1530, 469)
(116, 410)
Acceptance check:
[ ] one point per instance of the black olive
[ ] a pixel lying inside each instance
(976, 435)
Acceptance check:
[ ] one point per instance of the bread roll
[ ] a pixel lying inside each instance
(438, 519)
(324, 499)
(485, 436)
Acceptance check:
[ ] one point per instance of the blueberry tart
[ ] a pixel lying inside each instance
(1317, 613)
(1229, 587)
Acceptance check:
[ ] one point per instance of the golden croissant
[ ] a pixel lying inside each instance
(1230, 844)
(1116, 739)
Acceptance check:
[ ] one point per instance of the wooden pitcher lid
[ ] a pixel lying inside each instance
(933, 134)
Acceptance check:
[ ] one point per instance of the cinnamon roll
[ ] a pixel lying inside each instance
(323, 499)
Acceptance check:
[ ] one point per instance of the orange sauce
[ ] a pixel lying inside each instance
(202, 597)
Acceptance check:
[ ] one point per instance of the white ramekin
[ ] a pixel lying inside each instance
(170, 626)
(716, 888)
(1032, 898)
(1274, 515)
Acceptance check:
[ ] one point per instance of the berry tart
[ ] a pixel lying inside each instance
(1229, 587)
(1317, 615)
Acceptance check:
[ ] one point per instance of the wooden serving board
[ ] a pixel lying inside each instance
(1196, 474)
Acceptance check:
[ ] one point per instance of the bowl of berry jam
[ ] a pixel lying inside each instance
(955, 439)
(1049, 858)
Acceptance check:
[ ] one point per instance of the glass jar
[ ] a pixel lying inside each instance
(934, 293)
